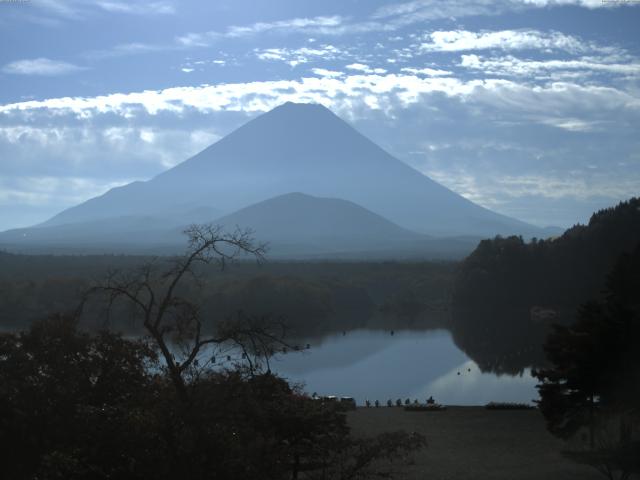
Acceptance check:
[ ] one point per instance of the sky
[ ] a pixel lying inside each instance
(528, 107)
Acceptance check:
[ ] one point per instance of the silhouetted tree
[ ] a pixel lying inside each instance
(501, 284)
(570, 390)
(594, 378)
(81, 407)
(74, 405)
(172, 319)
(188, 419)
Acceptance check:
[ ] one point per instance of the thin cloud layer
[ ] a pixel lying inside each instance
(463, 40)
(507, 95)
(40, 66)
(513, 66)
(314, 25)
(301, 55)
(79, 9)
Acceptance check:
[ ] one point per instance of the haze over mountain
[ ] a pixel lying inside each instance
(297, 224)
(296, 217)
(293, 148)
(294, 225)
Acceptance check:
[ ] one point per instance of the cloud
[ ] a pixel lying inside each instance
(297, 56)
(489, 106)
(61, 8)
(556, 99)
(26, 200)
(567, 186)
(112, 149)
(193, 39)
(323, 72)
(138, 8)
(55, 162)
(390, 18)
(579, 3)
(572, 124)
(562, 198)
(79, 9)
(512, 66)
(500, 115)
(461, 40)
(430, 72)
(41, 66)
(496, 141)
(314, 24)
(359, 67)
(402, 14)
(191, 65)
(318, 25)
(127, 49)
(250, 96)
(40, 190)
(500, 94)
(387, 18)
(421, 10)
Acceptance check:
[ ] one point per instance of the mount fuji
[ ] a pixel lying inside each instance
(293, 148)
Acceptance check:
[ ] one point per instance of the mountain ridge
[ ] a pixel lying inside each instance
(307, 148)
(326, 225)
(302, 148)
(295, 225)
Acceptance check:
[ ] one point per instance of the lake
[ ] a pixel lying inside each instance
(375, 365)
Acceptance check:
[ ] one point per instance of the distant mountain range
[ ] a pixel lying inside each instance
(355, 197)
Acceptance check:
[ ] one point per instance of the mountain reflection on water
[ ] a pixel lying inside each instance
(376, 365)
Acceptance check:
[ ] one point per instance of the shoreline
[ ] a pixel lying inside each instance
(472, 442)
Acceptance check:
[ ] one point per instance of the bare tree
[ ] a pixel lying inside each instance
(173, 321)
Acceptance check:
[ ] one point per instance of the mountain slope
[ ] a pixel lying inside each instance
(117, 233)
(295, 225)
(305, 223)
(304, 148)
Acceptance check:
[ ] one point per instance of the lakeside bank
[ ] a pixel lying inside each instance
(465, 443)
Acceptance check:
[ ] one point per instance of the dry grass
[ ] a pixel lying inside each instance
(475, 443)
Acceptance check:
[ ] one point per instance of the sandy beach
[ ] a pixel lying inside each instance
(475, 443)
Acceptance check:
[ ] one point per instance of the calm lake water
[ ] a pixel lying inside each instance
(376, 365)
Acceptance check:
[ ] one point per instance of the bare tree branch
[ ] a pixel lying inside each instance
(170, 319)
